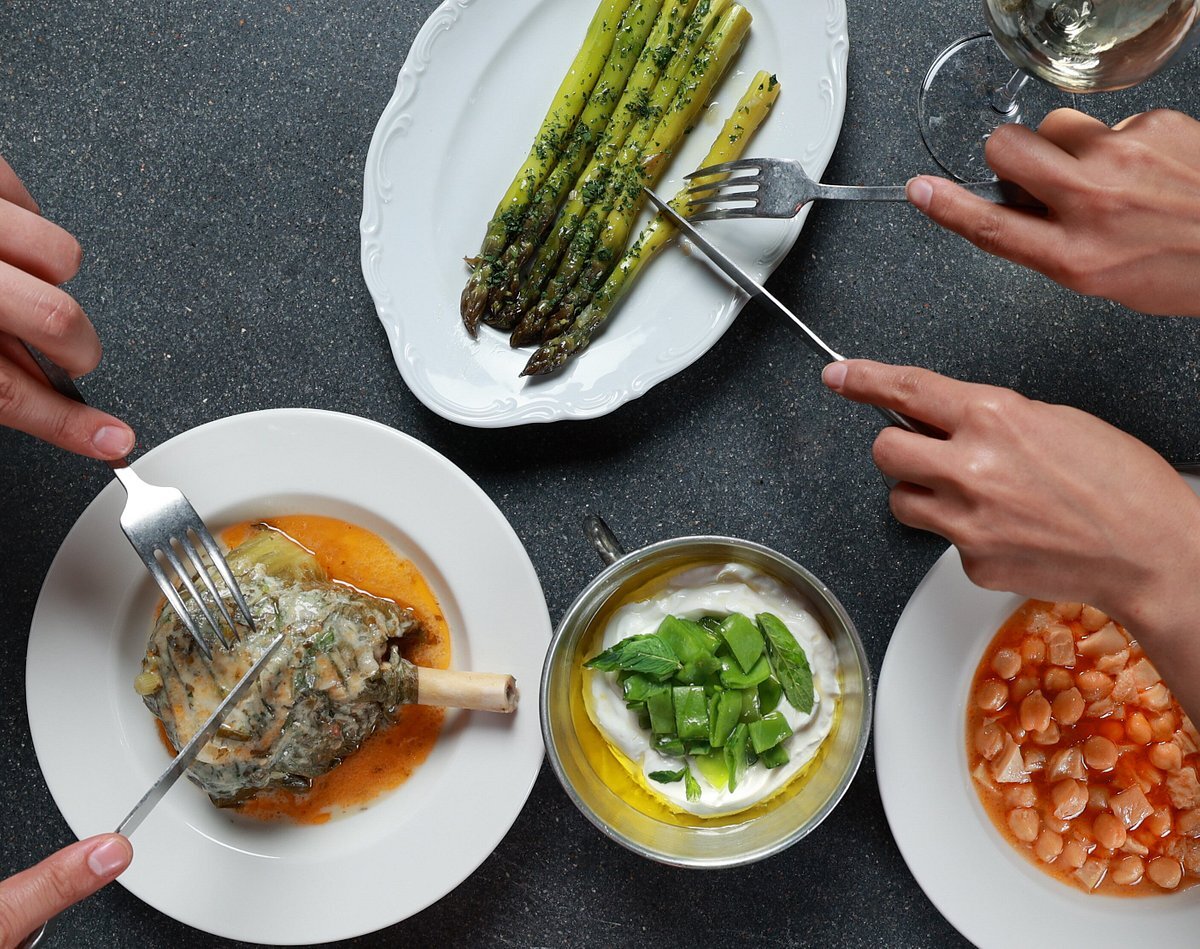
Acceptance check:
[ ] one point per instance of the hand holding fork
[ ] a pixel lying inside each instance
(780, 187)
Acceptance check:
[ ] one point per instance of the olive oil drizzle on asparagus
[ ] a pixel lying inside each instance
(632, 33)
(730, 144)
(708, 67)
(589, 187)
(556, 258)
(659, 113)
(564, 111)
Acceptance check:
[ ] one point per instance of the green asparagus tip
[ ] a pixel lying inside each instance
(473, 302)
(546, 359)
(527, 331)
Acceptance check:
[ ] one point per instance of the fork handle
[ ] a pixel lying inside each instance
(998, 192)
(63, 384)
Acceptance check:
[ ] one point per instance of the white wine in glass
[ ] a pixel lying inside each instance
(1074, 46)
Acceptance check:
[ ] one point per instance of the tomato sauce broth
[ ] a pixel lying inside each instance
(1081, 756)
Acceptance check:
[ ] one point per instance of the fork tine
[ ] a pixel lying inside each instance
(724, 190)
(176, 601)
(168, 553)
(749, 164)
(202, 571)
(724, 214)
(218, 561)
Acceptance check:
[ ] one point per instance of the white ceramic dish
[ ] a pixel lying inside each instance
(467, 105)
(284, 883)
(989, 892)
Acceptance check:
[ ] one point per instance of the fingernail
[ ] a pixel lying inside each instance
(920, 193)
(113, 440)
(834, 375)
(109, 857)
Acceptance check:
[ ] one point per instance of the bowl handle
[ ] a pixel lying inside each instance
(603, 539)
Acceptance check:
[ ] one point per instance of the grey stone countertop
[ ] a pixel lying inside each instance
(210, 160)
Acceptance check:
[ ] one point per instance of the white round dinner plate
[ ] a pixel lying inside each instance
(468, 103)
(990, 893)
(279, 882)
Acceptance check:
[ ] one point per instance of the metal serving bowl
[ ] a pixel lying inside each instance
(733, 843)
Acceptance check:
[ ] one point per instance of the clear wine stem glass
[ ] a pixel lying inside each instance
(1065, 46)
(972, 89)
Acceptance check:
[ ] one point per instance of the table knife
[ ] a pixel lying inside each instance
(189, 751)
(756, 291)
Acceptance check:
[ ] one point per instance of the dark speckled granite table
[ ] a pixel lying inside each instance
(210, 161)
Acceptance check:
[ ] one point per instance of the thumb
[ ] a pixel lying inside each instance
(31, 897)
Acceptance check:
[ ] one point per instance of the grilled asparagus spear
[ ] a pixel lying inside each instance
(636, 100)
(749, 114)
(662, 115)
(632, 33)
(719, 50)
(564, 111)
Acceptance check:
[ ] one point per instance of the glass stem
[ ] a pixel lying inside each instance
(1004, 99)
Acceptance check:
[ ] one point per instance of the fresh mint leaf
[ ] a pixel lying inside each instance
(647, 654)
(789, 662)
(668, 777)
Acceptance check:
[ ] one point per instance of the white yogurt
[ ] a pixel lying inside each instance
(717, 591)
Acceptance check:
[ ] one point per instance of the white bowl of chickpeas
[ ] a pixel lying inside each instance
(1043, 789)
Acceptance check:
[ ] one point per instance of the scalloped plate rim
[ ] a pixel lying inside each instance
(514, 409)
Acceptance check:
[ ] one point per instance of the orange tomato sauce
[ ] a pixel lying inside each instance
(1081, 757)
(358, 557)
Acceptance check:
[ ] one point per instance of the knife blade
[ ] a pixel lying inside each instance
(188, 754)
(756, 291)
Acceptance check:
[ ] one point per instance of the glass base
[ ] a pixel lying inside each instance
(963, 101)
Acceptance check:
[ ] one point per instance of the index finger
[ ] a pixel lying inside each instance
(924, 395)
(1019, 236)
(12, 190)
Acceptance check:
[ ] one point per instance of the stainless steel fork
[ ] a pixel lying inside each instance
(170, 538)
(779, 188)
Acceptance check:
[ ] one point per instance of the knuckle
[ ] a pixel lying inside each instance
(990, 408)
(1079, 272)
(58, 315)
(1156, 121)
(903, 508)
(74, 260)
(906, 384)
(1001, 144)
(11, 924)
(12, 393)
(57, 886)
(990, 234)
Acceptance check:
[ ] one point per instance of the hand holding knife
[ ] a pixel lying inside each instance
(757, 291)
(181, 763)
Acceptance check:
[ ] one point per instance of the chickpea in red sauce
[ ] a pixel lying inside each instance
(1081, 756)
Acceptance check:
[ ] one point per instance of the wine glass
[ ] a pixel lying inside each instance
(1073, 46)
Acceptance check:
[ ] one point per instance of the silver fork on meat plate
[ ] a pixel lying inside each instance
(780, 187)
(171, 539)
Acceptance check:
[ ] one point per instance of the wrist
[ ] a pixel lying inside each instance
(1163, 612)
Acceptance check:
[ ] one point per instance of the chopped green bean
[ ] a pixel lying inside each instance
(732, 676)
(691, 711)
(662, 712)
(768, 732)
(744, 639)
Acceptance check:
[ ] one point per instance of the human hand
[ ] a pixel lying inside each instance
(1045, 501)
(1124, 206)
(35, 256)
(33, 896)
